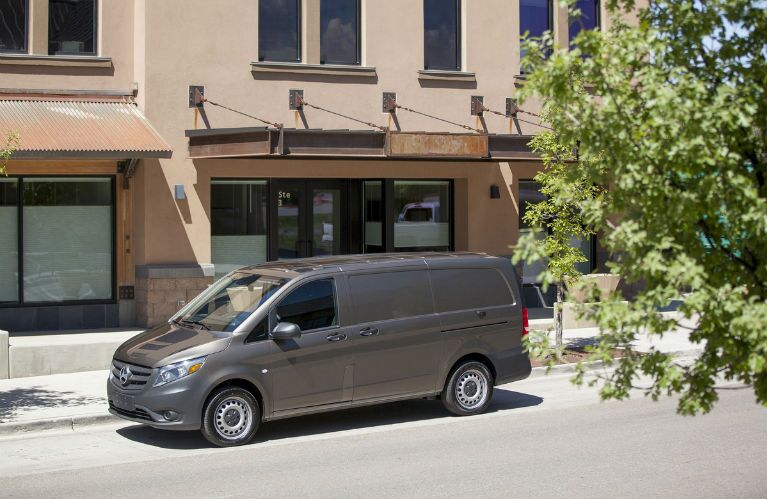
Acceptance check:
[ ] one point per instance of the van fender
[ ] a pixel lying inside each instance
(472, 347)
(232, 375)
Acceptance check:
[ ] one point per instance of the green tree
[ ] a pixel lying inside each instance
(559, 217)
(12, 143)
(670, 113)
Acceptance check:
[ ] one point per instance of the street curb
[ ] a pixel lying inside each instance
(61, 423)
(74, 422)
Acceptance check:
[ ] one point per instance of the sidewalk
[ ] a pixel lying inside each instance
(64, 401)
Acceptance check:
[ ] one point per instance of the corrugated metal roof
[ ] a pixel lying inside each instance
(56, 126)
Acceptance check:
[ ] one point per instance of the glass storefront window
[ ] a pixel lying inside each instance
(67, 239)
(238, 218)
(373, 213)
(423, 215)
(9, 240)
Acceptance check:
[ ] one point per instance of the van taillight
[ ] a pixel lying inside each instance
(525, 322)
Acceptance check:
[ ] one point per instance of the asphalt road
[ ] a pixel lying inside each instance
(542, 438)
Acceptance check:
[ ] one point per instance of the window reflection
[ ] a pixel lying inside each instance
(589, 18)
(441, 38)
(13, 26)
(71, 27)
(279, 27)
(423, 220)
(339, 27)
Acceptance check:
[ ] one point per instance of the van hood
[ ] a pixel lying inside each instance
(169, 343)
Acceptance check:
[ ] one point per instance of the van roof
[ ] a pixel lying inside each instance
(304, 265)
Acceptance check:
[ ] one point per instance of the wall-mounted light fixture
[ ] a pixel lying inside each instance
(180, 193)
(495, 192)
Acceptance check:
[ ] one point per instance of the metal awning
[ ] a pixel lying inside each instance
(79, 126)
(287, 142)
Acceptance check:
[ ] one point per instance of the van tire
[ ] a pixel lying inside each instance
(231, 417)
(469, 389)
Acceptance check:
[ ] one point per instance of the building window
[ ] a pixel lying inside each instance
(13, 25)
(68, 239)
(589, 18)
(441, 25)
(72, 27)
(279, 28)
(63, 249)
(9, 240)
(340, 31)
(423, 215)
(535, 18)
(238, 223)
(373, 214)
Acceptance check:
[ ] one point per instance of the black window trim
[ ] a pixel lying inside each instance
(458, 41)
(297, 284)
(95, 52)
(25, 48)
(358, 58)
(299, 37)
(20, 303)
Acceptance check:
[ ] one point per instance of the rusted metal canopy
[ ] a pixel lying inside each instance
(78, 126)
(287, 142)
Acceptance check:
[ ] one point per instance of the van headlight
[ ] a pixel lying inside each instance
(172, 372)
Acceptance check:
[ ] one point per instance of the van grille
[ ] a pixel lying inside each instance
(135, 414)
(139, 375)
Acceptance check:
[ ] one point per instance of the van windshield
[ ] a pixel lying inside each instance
(229, 301)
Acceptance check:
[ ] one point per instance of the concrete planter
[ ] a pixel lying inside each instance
(605, 283)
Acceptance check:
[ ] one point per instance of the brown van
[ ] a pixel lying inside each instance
(294, 337)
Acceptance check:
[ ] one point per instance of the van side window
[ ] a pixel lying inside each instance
(463, 289)
(310, 306)
(260, 332)
(390, 295)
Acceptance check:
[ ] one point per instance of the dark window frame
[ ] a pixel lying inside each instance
(25, 47)
(300, 283)
(458, 41)
(597, 22)
(549, 24)
(95, 34)
(20, 245)
(358, 57)
(299, 37)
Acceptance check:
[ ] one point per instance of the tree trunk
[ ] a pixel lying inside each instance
(558, 313)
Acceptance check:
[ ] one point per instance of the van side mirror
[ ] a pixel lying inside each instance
(285, 331)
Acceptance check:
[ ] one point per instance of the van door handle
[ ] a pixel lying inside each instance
(336, 337)
(481, 314)
(369, 331)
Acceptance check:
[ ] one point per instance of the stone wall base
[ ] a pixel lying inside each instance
(161, 291)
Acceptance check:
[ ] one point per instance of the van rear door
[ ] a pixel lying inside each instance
(476, 309)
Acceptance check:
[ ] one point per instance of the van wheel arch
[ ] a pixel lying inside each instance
(239, 383)
(476, 356)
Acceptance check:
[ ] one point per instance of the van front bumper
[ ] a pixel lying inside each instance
(174, 406)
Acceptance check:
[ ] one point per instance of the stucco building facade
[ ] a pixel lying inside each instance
(143, 173)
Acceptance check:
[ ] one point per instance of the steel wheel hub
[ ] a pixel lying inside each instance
(233, 418)
(471, 389)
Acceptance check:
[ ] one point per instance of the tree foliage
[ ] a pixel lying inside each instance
(559, 217)
(670, 114)
(6, 151)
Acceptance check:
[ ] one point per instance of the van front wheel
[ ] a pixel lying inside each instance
(469, 389)
(231, 417)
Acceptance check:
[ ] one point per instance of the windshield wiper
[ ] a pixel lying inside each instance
(190, 321)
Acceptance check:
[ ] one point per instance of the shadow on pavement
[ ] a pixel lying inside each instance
(330, 422)
(20, 399)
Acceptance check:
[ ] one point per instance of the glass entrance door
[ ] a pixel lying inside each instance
(309, 218)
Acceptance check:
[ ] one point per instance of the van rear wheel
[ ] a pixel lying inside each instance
(469, 389)
(231, 417)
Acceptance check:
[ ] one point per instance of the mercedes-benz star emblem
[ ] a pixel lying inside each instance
(125, 375)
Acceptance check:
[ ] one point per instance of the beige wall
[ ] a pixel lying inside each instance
(114, 40)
